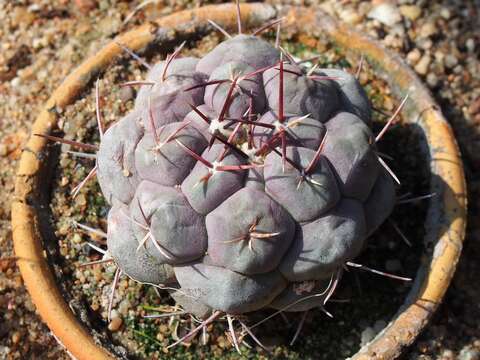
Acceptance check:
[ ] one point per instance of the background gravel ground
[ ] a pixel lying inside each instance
(42, 40)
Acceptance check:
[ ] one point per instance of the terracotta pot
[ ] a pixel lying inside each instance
(445, 220)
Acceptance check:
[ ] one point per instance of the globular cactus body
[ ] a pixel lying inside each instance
(243, 180)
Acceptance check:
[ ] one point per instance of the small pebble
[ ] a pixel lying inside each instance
(386, 13)
(411, 12)
(458, 70)
(77, 239)
(432, 80)
(85, 6)
(328, 7)
(64, 181)
(3, 150)
(109, 25)
(474, 107)
(163, 328)
(439, 56)
(422, 66)
(470, 44)
(450, 61)
(413, 56)
(350, 16)
(16, 337)
(124, 306)
(425, 43)
(39, 42)
(34, 8)
(447, 355)
(445, 13)
(16, 81)
(115, 323)
(428, 29)
(393, 41)
(468, 353)
(81, 200)
(21, 16)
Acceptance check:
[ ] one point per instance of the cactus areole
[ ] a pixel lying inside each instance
(243, 180)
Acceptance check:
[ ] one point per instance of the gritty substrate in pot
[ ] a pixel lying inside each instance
(364, 301)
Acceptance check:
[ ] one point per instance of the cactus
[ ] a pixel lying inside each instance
(243, 180)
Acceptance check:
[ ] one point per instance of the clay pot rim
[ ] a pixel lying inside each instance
(446, 219)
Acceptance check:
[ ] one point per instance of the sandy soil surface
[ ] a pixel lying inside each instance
(42, 40)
